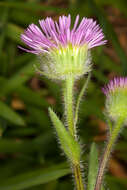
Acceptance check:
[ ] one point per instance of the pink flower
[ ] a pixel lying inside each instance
(52, 34)
(116, 83)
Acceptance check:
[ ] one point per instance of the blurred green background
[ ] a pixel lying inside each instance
(30, 157)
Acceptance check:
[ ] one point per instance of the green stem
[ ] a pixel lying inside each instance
(69, 112)
(108, 150)
(78, 177)
(68, 99)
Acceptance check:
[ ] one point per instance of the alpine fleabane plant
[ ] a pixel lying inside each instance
(64, 53)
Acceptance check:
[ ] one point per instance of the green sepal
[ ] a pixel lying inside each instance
(70, 147)
(66, 61)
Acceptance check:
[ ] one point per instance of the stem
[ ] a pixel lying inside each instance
(107, 153)
(68, 98)
(78, 177)
(69, 112)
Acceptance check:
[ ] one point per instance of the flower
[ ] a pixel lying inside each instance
(66, 48)
(116, 98)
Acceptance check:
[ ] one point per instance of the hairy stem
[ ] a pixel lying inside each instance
(107, 152)
(69, 113)
(78, 177)
(69, 108)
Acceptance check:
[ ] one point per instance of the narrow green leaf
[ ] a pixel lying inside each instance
(68, 144)
(31, 97)
(9, 146)
(93, 167)
(38, 116)
(22, 59)
(19, 78)
(13, 32)
(80, 98)
(33, 178)
(22, 132)
(23, 17)
(7, 113)
(3, 21)
(31, 6)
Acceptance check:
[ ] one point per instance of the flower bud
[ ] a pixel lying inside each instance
(116, 98)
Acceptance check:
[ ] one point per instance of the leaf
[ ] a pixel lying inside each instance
(19, 78)
(7, 113)
(80, 97)
(68, 144)
(30, 179)
(31, 6)
(22, 59)
(22, 132)
(31, 97)
(93, 167)
(38, 116)
(23, 17)
(13, 32)
(3, 21)
(9, 146)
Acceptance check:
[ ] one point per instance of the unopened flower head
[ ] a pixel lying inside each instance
(116, 98)
(64, 51)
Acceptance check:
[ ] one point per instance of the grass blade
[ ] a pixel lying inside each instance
(7, 113)
(18, 79)
(30, 6)
(33, 178)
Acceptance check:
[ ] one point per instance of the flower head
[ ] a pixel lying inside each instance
(116, 93)
(66, 48)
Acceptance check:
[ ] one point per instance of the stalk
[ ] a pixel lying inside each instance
(78, 177)
(107, 153)
(68, 100)
(69, 113)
